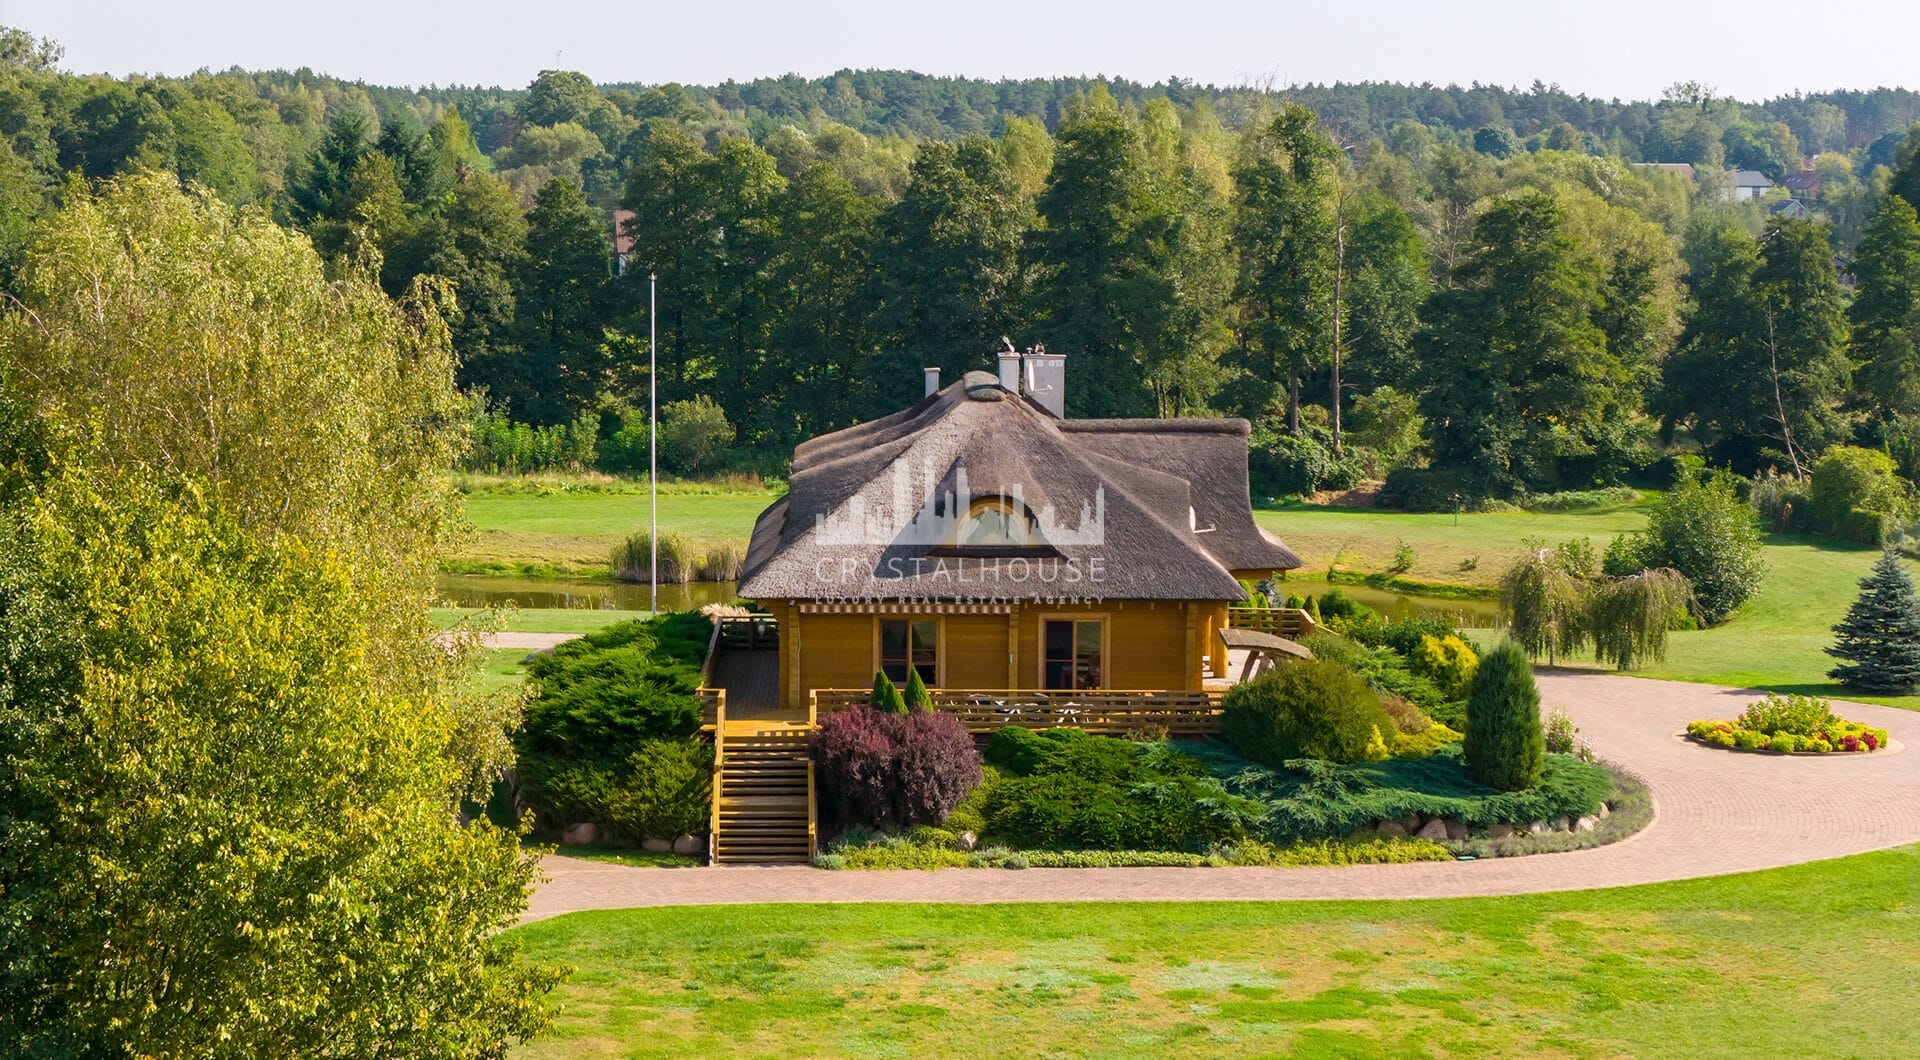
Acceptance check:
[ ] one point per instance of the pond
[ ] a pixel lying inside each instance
(532, 593)
(1467, 614)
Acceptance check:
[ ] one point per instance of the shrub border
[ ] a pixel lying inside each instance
(1893, 747)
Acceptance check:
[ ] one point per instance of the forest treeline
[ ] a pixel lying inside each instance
(1475, 289)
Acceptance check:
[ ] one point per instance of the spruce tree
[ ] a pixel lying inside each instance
(917, 698)
(1505, 744)
(1881, 634)
(886, 695)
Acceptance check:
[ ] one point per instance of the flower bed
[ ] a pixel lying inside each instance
(935, 848)
(1789, 725)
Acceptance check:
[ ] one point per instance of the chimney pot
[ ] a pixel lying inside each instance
(933, 381)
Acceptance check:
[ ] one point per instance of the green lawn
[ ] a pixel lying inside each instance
(1818, 959)
(1466, 550)
(572, 531)
(544, 619)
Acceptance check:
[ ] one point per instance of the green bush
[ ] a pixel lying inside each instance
(1848, 479)
(1782, 503)
(500, 444)
(692, 433)
(1448, 662)
(1281, 463)
(1703, 530)
(1067, 788)
(1799, 715)
(1313, 800)
(1504, 744)
(1785, 743)
(633, 559)
(611, 729)
(667, 790)
(1306, 709)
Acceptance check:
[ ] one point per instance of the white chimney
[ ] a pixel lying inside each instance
(1010, 371)
(1047, 380)
(933, 381)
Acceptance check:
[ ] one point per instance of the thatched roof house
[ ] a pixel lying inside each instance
(989, 542)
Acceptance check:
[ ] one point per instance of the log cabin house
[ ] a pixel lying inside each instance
(1033, 569)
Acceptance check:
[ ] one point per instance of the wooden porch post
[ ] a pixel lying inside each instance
(1013, 645)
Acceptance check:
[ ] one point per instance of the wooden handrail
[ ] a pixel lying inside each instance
(713, 653)
(813, 812)
(719, 763)
(1289, 622)
(1181, 713)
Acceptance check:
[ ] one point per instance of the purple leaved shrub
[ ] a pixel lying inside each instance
(892, 771)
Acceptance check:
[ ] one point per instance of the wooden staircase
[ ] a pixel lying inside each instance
(763, 806)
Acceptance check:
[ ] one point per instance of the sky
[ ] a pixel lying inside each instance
(1630, 49)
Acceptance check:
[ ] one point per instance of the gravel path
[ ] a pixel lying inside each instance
(1715, 812)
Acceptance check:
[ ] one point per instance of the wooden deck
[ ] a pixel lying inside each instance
(1289, 622)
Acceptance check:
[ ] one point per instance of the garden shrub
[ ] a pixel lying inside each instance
(1067, 788)
(1312, 799)
(610, 733)
(1448, 662)
(1305, 709)
(1702, 529)
(667, 790)
(1281, 463)
(1781, 502)
(916, 696)
(1788, 724)
(692, 433)
(888, 770)
(1384, 670)
(1504, 743)
(886, 695)
(1852, 491)
(1879, 639)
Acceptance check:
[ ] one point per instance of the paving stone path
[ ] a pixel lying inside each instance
(1716, 812)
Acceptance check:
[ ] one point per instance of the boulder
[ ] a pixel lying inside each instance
(967, 841)
(1499, 831)
(578, 835)
(656, 846)
(687, 845)
(1456, 830)
(1562, 824)
(1538, 827)
(1435, 829)
(1412, 823)
(1391, 829)
(1603, 813)
(1585, 824)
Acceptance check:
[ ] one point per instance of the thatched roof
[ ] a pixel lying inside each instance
(1130, 509)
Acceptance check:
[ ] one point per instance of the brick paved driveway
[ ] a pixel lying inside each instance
(1715, 812)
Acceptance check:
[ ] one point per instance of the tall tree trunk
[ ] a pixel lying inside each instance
(1339, 278)
(1293, 402)
(1779, 399)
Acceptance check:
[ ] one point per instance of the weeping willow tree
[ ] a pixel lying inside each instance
(1628, 618)
(1543, 602)
(1556, 603)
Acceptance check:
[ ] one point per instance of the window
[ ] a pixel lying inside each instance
(910, 643)
(997, 523)
(1073, 657)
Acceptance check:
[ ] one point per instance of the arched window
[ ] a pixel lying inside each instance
(995, 522)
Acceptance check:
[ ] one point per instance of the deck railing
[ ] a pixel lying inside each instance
(719, 759)
(712, 705)
(1108, 712)
(1289, 622)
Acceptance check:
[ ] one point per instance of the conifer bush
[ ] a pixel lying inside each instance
(917, 698)
(886, 695)
(1505, 745)
(1880, 637)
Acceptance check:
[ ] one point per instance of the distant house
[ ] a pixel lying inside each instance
(1803, 185)
(1791, 209)
(1681, 168)
(1750, 184)
(622, 240)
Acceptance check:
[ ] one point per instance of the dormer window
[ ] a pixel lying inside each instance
(996, 522)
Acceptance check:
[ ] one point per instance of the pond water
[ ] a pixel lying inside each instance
(464, 590)
(532, 593)
(1467, 614)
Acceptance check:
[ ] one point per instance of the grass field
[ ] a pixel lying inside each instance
(557, 529)
(1818, 959)
(544, 619)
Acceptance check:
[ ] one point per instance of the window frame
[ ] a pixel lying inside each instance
(939, 648)
(1106, 650)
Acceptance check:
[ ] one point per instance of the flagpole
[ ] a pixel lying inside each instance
(653, 447)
